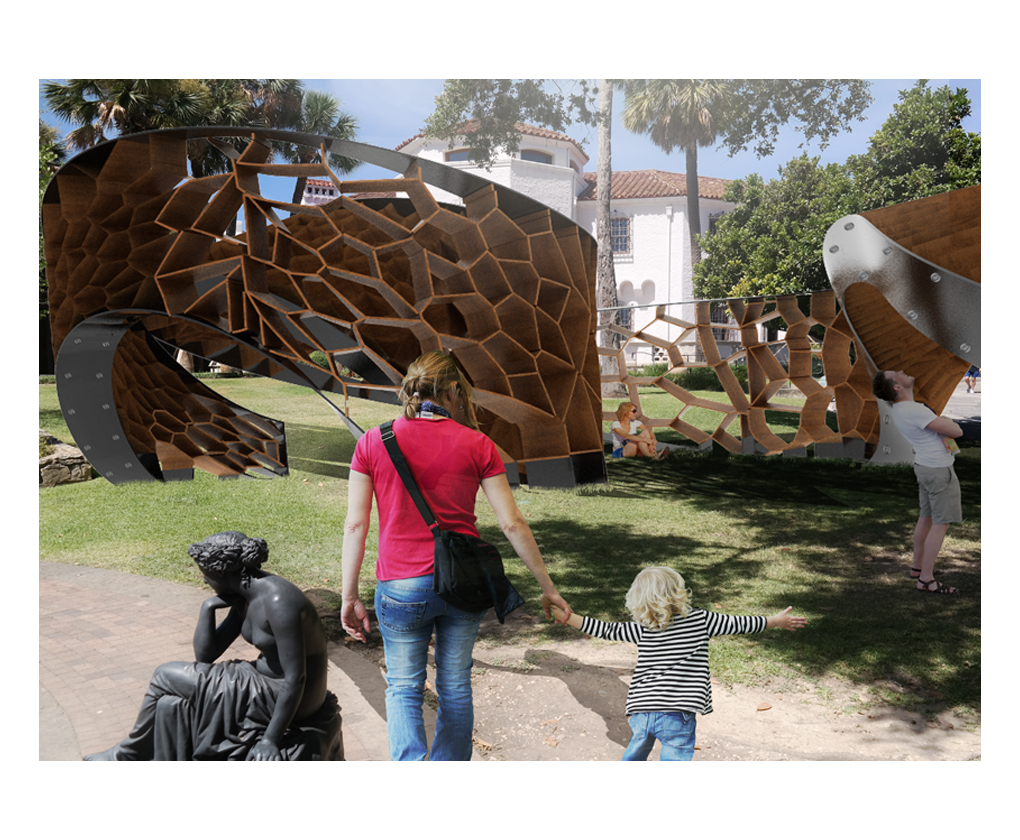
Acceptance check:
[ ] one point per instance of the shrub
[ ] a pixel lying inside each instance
(697, 378)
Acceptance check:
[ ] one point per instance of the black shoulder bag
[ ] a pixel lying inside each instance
(468, 571)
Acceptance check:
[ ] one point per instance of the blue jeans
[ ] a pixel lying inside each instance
(408, 612)
(675, 731)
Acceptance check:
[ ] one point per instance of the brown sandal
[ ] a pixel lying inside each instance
(940, 588)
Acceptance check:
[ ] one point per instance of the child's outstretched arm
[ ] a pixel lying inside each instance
(574, 620)
(784, 621)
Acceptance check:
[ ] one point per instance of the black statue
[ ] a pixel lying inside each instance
(276, 708)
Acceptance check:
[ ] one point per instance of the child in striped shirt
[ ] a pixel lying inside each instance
(671, 679)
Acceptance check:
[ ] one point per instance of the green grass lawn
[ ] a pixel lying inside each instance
(749, 534)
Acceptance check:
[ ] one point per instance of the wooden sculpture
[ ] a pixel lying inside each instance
(907, 280)
(139, 263)
(739, 411)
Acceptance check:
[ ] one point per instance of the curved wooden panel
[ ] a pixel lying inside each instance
(908, 280)
(504, 284)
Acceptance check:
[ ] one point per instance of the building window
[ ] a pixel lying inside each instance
(620, 234)
(536, 157)
(713, 219)
(720, 315)
(456, 155)
(625, 318)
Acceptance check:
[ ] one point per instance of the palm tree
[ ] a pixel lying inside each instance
(605, 273)
(273, 103)
(320, 114)
(103, 108)
(679, 114)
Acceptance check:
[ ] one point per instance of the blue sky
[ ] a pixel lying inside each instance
(389, 111)
(392, 110)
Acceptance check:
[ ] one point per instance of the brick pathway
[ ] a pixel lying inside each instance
(101, 635)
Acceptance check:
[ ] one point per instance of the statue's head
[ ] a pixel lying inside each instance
(229, 551)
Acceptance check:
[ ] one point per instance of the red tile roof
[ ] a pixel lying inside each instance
(531, 130)
(654, 183)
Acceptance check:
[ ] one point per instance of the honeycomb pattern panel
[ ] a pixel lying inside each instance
(742, 424)
(908, 278)
(340, 297)
(906, 296)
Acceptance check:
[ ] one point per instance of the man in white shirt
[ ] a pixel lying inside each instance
(939, 494)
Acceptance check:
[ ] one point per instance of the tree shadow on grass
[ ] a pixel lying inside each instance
(841, 529)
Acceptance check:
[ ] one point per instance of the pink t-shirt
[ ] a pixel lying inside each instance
(448, 462)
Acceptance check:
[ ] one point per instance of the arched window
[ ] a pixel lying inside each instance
(456, 155)
(535, 156)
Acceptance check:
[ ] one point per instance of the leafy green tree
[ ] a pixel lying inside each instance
(922, 149)
(772, 242)
(684, 114)
(499, 104)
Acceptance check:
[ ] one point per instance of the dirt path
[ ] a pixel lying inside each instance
(564, 701)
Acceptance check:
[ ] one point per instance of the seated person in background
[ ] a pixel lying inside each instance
(276, 708)
(630, 438)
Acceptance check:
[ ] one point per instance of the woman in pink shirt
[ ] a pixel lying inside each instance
(449, 459)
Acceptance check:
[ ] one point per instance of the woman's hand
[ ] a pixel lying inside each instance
(554, 599)
(354, 618)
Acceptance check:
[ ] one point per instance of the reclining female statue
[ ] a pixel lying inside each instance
(276, 708)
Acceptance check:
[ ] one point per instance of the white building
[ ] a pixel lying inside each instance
(649, 217)
(652, 246)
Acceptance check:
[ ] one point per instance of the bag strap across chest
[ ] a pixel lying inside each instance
(404, 471)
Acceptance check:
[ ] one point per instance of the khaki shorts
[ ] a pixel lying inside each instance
(939, 494)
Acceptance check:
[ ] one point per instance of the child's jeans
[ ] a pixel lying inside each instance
(674, 730)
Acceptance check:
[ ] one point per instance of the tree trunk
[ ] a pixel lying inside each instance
(693, 202)
(605, 274)
(186, 360)
(694, 225)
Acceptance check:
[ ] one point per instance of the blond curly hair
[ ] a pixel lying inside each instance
(656, 596)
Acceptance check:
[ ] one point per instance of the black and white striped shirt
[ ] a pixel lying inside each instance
(672, 668)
